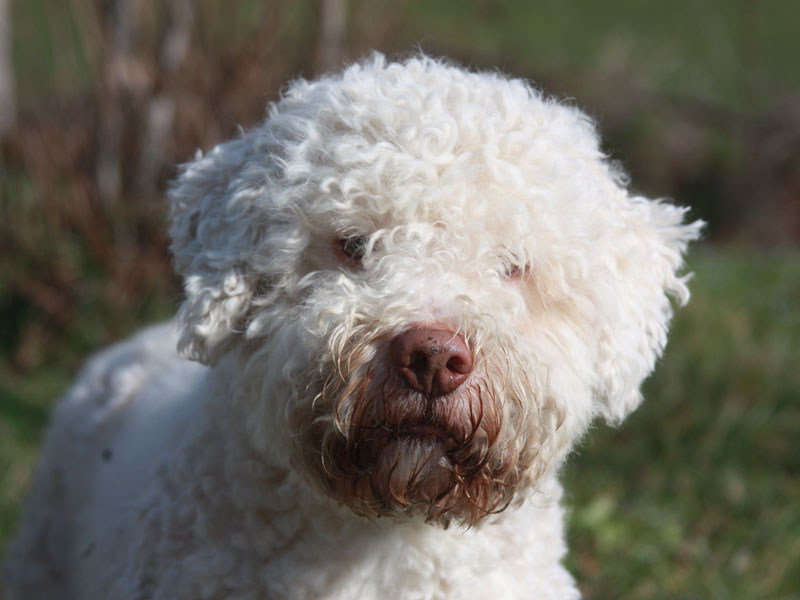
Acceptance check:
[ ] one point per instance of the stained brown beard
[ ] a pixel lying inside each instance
(397, 453)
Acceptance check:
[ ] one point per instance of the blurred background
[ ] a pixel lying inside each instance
(698, 494)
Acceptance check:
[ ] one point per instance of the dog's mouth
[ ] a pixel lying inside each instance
(422, 430)
(388, 449)
(403, 454)
(368, 442)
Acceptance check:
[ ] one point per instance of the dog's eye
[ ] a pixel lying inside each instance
(353, 247)
(516, 272)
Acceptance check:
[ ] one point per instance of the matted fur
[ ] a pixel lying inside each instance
(290, 459)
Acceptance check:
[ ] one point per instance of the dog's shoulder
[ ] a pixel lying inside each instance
(113, 377)
(79, 446)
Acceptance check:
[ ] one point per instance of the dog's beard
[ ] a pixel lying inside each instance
(385, 450)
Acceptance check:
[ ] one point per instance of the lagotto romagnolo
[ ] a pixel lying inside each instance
(408, 293)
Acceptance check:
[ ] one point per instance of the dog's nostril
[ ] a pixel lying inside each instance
(434, 362)
(458, 365)
(419, 361)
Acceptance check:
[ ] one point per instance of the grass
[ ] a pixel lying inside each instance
(734, 52)
(693, 497)
(731, 51)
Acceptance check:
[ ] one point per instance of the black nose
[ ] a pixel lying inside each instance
(432, 361)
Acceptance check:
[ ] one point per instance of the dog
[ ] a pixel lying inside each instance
(408, 294)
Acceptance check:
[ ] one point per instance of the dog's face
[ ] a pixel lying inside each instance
(431, 282)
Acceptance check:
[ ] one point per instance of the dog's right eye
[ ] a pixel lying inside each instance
(516, 272)
(353, 247)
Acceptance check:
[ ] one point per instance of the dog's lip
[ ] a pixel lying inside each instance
(421, 430)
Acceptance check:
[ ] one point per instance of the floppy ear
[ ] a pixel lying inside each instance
(648, 256)
(214, 231)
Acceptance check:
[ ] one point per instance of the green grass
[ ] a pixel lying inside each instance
(733, 52)
(695, 496)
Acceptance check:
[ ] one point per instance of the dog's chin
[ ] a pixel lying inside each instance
(421, 471)
(385, 451)
(413, 470)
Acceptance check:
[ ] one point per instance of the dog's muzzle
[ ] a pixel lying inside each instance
(414, 429)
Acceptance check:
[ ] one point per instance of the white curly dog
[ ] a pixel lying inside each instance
(408, 293)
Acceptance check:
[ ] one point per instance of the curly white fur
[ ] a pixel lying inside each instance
(294, 462)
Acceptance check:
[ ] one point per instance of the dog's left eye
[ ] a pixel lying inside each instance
(516, 272)
(353, 247)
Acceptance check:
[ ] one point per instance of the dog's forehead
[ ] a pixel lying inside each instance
(466, 198)
(470, 152)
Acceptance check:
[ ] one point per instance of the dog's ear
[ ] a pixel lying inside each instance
(213, 230)
(646, 265)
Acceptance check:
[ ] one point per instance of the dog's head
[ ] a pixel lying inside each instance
(431, 281)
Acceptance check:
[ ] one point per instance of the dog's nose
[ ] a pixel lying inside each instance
(432, 361)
